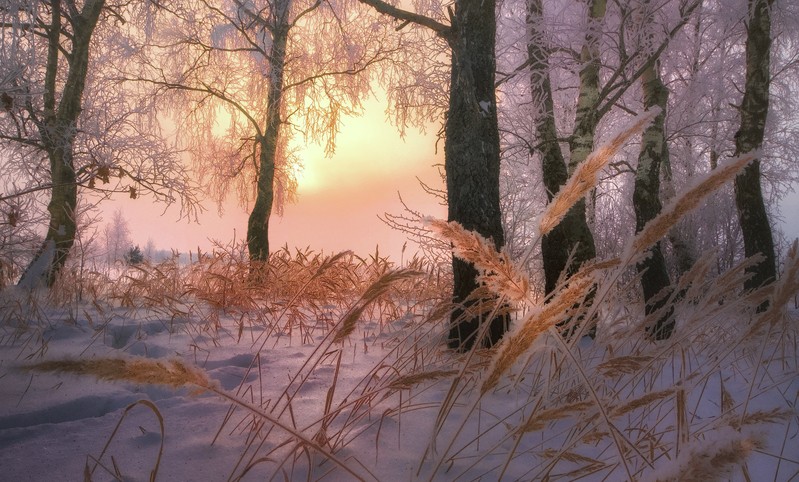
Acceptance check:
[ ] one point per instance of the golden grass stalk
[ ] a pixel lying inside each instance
(495, 269)
(622, 365)
(685, 203)
(89, 471)
(775, 415)
(372, 293)
(406, 382)
(540, 418)
(573, 457)
(641, 401)
(586, 175)
(585, 466)
(173, 373)
(515, 344)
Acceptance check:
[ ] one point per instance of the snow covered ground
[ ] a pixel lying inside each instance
(389, 402)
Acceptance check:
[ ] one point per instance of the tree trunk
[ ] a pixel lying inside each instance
(258, 223)
(681, 244)
(58, 130)
(472, 154)
(554, 246)
(571, 243)
(646, 203)
(471, 147)
(754, 110)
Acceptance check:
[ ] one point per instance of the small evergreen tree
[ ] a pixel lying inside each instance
(134, 256)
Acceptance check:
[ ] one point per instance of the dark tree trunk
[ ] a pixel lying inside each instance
(58, 129)
(646, 203)
(754, 110)
(554, 246)
(572, 238)
(258, 223)
(472, 153)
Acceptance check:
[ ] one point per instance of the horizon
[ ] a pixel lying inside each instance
(372, 163)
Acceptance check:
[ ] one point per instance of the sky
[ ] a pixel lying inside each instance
(340, 197)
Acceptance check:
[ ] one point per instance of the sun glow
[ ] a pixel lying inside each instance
(369, 152)
(340, 195)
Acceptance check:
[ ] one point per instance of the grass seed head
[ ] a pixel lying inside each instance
(174, 373)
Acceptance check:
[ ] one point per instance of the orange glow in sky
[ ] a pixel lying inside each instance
(339, 197)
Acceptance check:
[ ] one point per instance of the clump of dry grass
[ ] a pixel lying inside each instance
(220, 279)
(710, 459)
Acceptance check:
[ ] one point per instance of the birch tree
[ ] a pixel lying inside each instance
(571, 237)
(754, 111)
(471, 144)
(654, 153)
(571, 244)
(244, 78)
(58, 141)
(57, 124)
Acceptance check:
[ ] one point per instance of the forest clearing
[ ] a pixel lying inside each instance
(611, 295)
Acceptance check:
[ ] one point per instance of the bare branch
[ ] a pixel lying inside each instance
(444, 31)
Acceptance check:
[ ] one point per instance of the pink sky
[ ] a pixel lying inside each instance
(339, 197)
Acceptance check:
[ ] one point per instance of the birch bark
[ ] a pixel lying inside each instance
(754, 110)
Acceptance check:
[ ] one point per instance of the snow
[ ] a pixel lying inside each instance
(36, 275)
(485, 107)
(355, 400)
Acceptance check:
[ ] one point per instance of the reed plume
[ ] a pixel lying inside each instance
(685, 203)
(541, 319)
(495, 269)
(585, 176)
(782, 292)
(540, 418)
(173, 373)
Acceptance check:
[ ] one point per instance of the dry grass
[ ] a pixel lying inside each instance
(536, 407)
(173, 373)
(619, 408)
(708, 460)
(495, 270)
(561, 307)
(635, 402)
